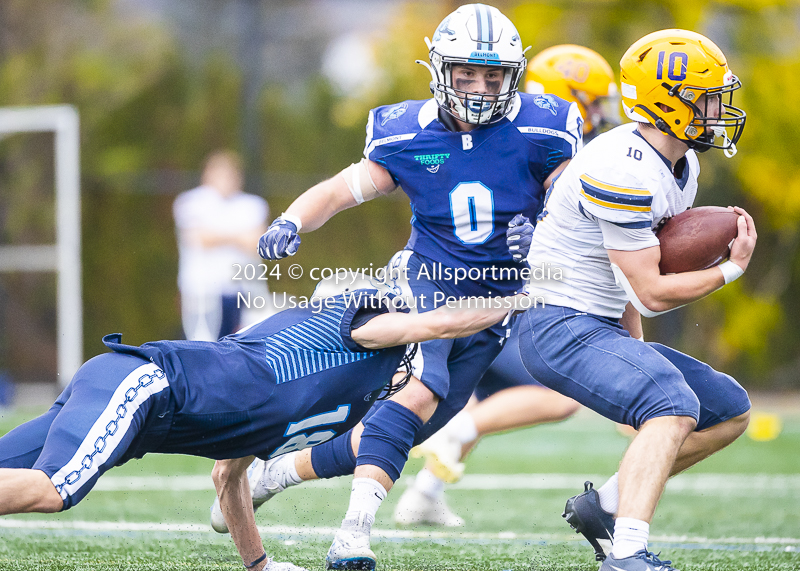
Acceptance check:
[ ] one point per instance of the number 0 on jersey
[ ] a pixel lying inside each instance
(472, 208)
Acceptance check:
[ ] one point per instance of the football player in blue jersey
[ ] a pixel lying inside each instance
(470, 159)
(508, 397)
(292, 381)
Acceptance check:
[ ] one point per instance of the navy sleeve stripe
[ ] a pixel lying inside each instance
(616, 197)
(633, 225)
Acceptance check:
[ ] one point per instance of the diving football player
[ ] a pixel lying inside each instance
(294, 380)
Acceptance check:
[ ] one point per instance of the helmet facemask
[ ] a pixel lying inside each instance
(472, 107)
(602, 112)
(705, 129)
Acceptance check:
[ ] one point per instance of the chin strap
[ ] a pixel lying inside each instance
(730, 149)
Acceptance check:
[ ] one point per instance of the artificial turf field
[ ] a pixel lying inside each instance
(739, 510)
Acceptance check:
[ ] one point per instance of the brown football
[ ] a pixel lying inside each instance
(696, 239)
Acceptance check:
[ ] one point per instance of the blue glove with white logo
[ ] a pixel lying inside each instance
(280, 240)
(518, 237)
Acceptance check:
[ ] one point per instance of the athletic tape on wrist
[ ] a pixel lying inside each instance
(293, 219)
(731, 271)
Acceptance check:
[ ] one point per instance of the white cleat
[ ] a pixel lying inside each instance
(350, 550)
(443, 454)
(415, 508)
(262, 488)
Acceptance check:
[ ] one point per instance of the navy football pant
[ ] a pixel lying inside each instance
(449, 368)
(91, 425)
(507, 370)
(593, 360)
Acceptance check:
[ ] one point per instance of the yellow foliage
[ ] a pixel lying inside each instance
(749, 321)
(775, 186)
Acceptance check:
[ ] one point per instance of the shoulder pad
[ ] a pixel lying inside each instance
(394, 123)
(617, 195)
(545, 116)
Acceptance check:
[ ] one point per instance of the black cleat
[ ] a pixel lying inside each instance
(584, 514)
(639, 561)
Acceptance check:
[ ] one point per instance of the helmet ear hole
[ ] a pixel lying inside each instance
(665, 108)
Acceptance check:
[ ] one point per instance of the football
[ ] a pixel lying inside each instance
(696, 239)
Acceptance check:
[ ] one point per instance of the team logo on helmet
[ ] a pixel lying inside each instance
(394, 112)
(547, 102)
(443, 29)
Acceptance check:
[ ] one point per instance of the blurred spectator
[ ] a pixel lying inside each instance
(218, 227)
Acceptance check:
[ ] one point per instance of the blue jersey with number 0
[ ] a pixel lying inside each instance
(465, 187)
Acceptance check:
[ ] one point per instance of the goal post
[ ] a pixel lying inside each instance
(63, 257)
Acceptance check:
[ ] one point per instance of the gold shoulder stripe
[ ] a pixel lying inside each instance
(615, 205)
(613, 188)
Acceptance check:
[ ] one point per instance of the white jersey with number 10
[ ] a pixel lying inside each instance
(612, 195)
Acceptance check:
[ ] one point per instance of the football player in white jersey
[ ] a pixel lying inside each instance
(508, 397)
(597, 227)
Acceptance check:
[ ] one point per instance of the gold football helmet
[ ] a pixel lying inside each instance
(578, 74)
(680, 81)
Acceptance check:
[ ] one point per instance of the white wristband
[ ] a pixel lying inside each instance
(730, 271)
(293, 219)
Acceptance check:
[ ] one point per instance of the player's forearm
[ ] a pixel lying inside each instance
(321, 202)
(233, 490)
(463, 322)
(663, 293)
(393, 329)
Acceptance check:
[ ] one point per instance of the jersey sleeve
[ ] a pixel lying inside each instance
(574, 128)
(552, 125)
(389, 130)
(626, 239)
(616, 196)
(361, 306)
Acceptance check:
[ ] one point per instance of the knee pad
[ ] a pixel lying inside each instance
(388, 436)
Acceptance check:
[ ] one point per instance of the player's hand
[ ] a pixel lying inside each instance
(744, 244)
(280, 240)
(518, 237)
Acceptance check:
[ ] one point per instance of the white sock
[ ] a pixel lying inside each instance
(284, 471)
(428, 484)
(609, 494)
(366, 496)
(463, 427)
(630, 536)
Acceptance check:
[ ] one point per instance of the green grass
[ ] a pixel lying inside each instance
(706, 530)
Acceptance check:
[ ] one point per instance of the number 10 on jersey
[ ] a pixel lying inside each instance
(472, 209)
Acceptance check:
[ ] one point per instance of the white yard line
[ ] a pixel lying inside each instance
(327, 532)
(707, 484)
